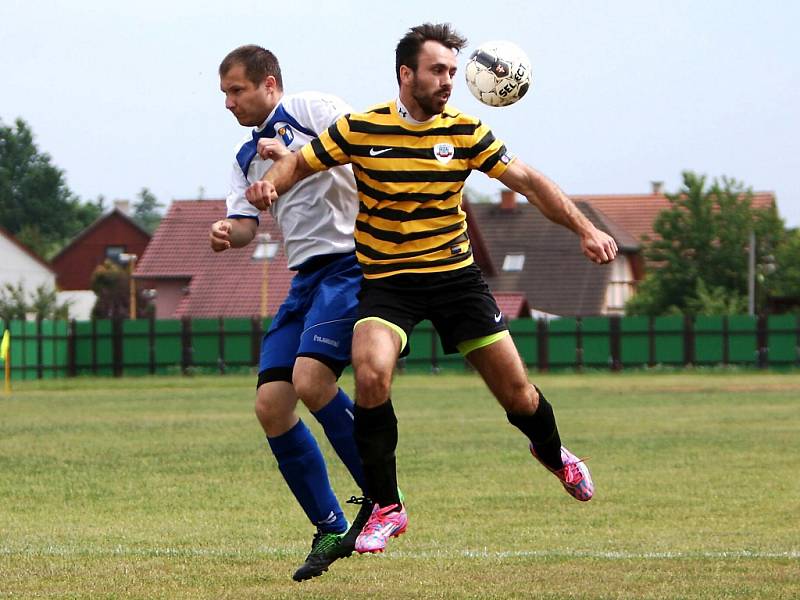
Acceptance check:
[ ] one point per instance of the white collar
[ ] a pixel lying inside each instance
(403, 112)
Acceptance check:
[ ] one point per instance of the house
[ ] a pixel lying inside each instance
(21, 266)
(636, 213)
(521, 251)
(112, 234)
(189, 279)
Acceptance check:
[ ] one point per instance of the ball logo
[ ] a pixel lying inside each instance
(443, 152)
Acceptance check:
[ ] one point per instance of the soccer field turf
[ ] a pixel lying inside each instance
(164, 488)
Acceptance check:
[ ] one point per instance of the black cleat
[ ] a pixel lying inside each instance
(324, 550)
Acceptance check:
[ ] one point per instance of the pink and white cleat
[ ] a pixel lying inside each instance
(574, 475)
(383, 523)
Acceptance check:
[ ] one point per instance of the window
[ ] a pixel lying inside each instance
(113, 252)
(513, 262)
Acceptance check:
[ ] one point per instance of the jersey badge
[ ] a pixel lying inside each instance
(285, 132)
(443, 152)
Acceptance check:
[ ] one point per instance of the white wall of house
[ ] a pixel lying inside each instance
(17, 266)
(620, 286)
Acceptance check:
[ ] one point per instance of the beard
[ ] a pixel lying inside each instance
(432, 104)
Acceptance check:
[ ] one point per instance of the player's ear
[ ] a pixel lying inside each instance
(406, 74)
(270, 82)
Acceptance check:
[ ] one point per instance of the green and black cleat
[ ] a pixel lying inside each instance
(324, 550)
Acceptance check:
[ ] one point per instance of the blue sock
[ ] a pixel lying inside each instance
(303, 467)
(336, 419)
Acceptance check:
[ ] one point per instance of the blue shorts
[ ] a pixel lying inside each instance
(315, 320)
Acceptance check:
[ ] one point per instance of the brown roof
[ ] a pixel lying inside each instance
(512, 304)
(556, 278)
(636, 213)
(224, 284)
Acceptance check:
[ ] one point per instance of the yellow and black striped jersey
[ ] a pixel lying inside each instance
(410, 178)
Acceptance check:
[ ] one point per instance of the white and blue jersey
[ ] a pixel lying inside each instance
(317, 215)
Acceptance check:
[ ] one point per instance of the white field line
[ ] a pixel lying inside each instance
(122, 551)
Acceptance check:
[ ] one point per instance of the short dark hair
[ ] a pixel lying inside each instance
(407, 52)
(258, 63)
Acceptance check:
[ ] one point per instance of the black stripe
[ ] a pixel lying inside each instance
(420, 197)
(376, 269)
(322, 154)
(388, 176)
(339, 140)
(490, 162)
(482, 145)
(394, 237)
(391, 214)
(357, 126)
(390, 152)
(383, 110)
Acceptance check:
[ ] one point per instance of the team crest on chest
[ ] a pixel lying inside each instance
(443, 152)
(285, 132)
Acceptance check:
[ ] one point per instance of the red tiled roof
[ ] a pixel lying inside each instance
(636, 213)
(224, 284)
(512, 304)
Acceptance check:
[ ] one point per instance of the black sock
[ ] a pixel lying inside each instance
(375, 431)
(542, 431)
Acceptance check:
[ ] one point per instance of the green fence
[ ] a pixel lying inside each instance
(48, 349)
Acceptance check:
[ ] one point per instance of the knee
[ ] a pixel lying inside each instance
(373, 384)
(310, 391)
(275, 415)
(520, 398)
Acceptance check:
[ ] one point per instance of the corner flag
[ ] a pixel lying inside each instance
(4, 346)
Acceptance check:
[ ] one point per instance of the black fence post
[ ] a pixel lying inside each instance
(688, 340)
(541, 342)
(615, 342)
(186, 344)
(72, 349)
(762, 341)
(651, 341)
(116, 344)
(221, 345)
(94, 346)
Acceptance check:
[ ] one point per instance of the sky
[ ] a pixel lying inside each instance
(125, 95)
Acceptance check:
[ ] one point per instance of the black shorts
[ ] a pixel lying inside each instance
(458, 303)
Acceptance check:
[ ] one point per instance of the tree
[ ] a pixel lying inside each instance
(35, 203)
(111, 285)
(145, 211)
(15, 303)
(699, 261)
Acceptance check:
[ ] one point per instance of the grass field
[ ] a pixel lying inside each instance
(164, 488)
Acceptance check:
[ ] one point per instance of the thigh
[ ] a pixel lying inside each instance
(504, 372)
(280, 344)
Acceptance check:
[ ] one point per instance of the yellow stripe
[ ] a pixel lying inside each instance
(396, 328)
(468, 346)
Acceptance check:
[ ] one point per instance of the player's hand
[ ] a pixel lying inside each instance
(220, 235)
(599, 247)
(271, 148)
(261, 194)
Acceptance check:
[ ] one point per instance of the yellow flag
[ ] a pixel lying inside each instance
(4, 346)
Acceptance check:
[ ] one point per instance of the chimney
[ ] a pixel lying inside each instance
(658, 187)
(124, 206)
(508, 200)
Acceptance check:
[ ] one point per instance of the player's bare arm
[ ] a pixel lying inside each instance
(554, 204)
(231, 233)
(287, 170)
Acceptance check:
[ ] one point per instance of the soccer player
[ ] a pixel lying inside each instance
(410, 157)
(308, 344)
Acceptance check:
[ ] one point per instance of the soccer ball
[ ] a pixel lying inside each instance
(498, 73)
